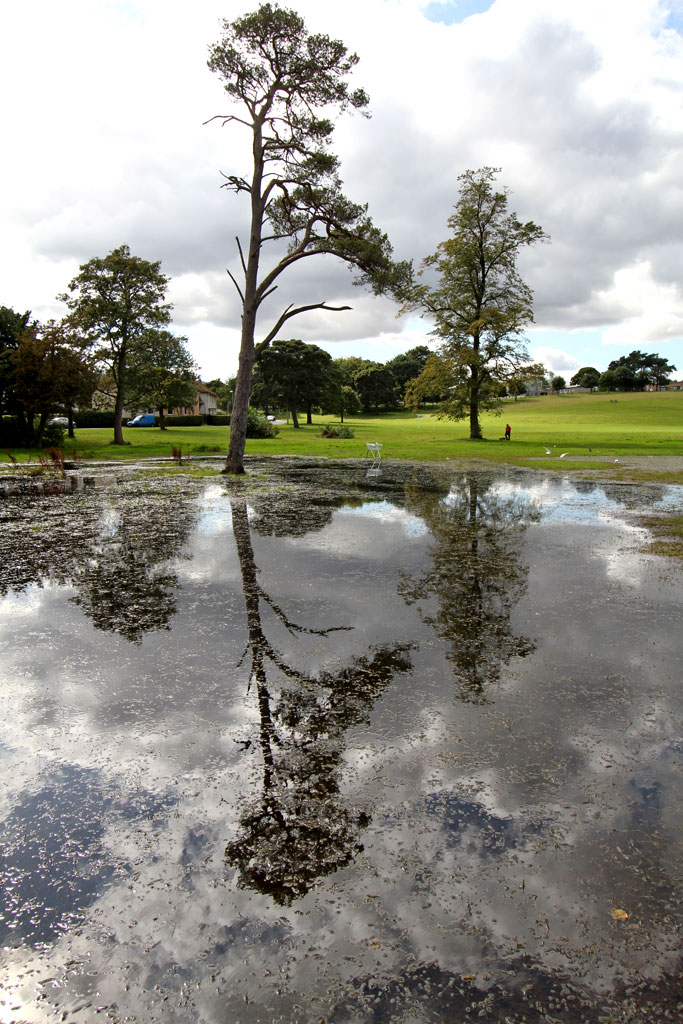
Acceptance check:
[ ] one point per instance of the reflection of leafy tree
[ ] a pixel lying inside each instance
(38, 543)
(300, 829)
(124, 585)
(476, 577)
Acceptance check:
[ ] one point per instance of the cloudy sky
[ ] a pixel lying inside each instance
(579, 102)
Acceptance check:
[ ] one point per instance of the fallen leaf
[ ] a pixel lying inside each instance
(618, 915)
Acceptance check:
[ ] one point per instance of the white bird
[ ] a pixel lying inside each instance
(563, 454)
(548, 451)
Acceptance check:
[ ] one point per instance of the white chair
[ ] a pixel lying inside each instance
(374, 452)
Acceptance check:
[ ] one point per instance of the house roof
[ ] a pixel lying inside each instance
(203, 388)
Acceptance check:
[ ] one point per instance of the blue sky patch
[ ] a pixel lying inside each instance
(451, 12)
(674, 18)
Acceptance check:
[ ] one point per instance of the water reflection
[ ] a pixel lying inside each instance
(124, 583)
(300, 828)
(113, 548)
(197, 856)
(476, 575)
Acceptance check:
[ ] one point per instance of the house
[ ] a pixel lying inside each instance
(205, 404)
(671, 385)
(535, 387)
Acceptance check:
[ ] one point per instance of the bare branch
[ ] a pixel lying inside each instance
(226, 118)
(239, 248)
(288, 314)
(239, 290)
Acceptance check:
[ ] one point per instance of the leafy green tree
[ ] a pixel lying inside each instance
(113, 301)
(557, 383)
(516, 387)
(620, 378)
(12, 328)
(49, 373)
(350, 366)
(224, 391)
(376, 388)
(658, 370)
(586, 377)
(646, 368)
(407, 366)
(295, 375)
(479, 304)
(285, 81)
(341, 398)
(161, 373)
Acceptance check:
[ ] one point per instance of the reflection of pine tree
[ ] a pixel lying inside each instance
(300, 829)
(476, 576)
(124, 586)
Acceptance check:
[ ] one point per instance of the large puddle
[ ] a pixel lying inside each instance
(329, 746)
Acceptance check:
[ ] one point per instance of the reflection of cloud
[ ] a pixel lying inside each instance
(523, 821)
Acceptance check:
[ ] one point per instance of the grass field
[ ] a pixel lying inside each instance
(585, 426)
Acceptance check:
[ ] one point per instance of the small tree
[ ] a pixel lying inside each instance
(407, 366)
(341, 398)
(161, 373)
(376, 387)
(294, 375)
(285, 81)
(12, 328)
(557, 383)
(586, 377)
(48, 373)
(113, 301)
(480, 304)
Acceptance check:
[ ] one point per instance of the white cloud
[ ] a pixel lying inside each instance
(555, 360)
(651, 312)
(578, 102)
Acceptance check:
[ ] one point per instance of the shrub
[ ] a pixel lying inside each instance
(184, 421)
(13, 436)
(10, 433)
(335, 430)
(94, 418)
(259, 426)
(53, 436)
(218, 420)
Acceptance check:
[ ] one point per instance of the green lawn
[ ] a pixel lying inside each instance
(582, 425)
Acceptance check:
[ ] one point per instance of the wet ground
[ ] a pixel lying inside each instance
(324, 745)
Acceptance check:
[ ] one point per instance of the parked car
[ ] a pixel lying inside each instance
(58, 421)
(144, 419)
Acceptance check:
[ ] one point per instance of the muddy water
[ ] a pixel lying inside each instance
(328, 746)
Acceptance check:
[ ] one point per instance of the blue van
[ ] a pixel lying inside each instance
(145, 419)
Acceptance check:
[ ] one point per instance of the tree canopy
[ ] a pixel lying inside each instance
(12, 328)
(161, 373)
(283, 83)
(49, 373)
(292, 374)
(586, 377)
(479, 303)
(112, 302)
(644, 368)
